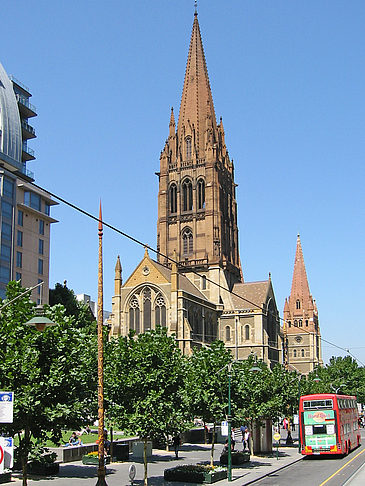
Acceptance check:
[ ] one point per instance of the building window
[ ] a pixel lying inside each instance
(228, 333)
(5, 252)
(20, 218)
(19, 259)
(47, 209)
(8, 188)
(187, 190)
(4, 274)
(32, 200)
(173, 198)
(300, 323)
(247, 332)
(204, 282)
(188, 148)
(146, 309)
(187, 242)
(41, 227)
(302, 353)
(160, 311)
(298, 304)
(289, 323)
(6, 231)
(39, 288)
(41, 247)
(19, 238)
(201, 194)
(295, 323)
(6, 209)
(18, 277)
(134, 315)
(40, 266)
(295, 353)
(306, 323)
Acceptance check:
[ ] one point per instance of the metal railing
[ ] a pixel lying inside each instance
(28, 127)
(27, 149)
(24, 101)
(19, 83)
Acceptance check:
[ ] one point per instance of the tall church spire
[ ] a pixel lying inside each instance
(197, 116)
(300, 288)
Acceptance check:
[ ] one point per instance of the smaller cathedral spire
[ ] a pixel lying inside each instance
(118, 277)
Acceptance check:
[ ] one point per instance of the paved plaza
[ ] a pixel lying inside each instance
(117, 473)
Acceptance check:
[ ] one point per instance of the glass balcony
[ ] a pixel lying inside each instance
(27, 149)
(25, 102)
(28, 127)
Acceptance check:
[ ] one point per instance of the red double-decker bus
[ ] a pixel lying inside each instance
(328, 424)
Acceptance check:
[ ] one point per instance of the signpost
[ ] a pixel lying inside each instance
(277, 437)
(6, 407)
(132, 473)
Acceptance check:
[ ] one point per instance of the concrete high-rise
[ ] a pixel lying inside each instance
(25, 209)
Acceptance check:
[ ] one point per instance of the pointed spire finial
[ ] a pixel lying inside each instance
(146, 251)
(100, 222)
(195, 7)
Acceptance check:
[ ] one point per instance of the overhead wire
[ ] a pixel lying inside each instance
(135, 240)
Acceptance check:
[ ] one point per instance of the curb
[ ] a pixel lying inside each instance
(271, 472)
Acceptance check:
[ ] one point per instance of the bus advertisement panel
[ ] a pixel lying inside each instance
(319, 430)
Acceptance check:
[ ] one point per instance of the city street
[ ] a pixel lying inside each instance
(262, 470)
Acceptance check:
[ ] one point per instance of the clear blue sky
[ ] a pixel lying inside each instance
(288, 79)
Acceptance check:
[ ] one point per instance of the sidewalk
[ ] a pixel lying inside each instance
(117, 473)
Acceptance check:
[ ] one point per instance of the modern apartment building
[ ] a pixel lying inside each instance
(25, 210)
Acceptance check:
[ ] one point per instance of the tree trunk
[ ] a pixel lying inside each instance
(145, 482)
(251, 438)
(24, 455)
(212, 450)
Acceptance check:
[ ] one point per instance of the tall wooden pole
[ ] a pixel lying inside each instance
(101, 467)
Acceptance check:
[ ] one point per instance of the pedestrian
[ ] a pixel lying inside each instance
(176, 442)
(243, 430)
(285, 423)
(246, 440)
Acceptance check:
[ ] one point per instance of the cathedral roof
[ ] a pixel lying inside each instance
(184, 283)
(10, 128)
(196, 108)
(254, 292)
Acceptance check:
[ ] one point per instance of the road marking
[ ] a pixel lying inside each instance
(347, 463)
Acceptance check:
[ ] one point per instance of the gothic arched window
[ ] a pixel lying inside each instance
(160, 311)
(173, 198)
(188, 148)
(300, 323)
(228, 333)
(146, 309)
(201, 194)
(298, 304)
(247, 332)
(187, 240)
(187, 192)
(295, 353)
(134, 315)
(302, 353)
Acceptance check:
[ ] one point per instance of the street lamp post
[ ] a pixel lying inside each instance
(229, 420)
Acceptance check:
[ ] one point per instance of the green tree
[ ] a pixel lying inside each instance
(207, 384)
(342, 374)
(144, 385)
(61, 294)
(52, 373)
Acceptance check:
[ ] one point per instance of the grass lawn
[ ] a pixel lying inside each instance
(86, 439)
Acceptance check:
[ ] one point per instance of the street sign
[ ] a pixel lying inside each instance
(6, 407)
(277, 437)
(1, 459)
(296, 419)
(224, 428)
(7, 444)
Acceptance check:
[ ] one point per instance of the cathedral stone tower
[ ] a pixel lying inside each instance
(197, 209)
(301, 326)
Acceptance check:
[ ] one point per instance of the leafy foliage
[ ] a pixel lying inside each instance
(52, 373)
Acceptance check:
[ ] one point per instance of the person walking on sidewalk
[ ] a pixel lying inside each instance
(176, 443)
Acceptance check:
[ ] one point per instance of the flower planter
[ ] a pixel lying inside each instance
(194, 474)
(93, 460)
(44, 469)
(238, 457)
